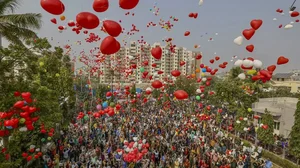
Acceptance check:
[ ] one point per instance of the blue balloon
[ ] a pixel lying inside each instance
(203, 69)
(86, 85)
(9, 127)
(104, 105)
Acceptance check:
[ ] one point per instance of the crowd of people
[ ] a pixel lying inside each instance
(152, 138)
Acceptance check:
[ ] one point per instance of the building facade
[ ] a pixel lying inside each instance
(282, 109)
(290, 80)
(137, 54)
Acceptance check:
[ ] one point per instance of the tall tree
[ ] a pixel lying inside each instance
(294, 143)
(266, 135)
(17, 27)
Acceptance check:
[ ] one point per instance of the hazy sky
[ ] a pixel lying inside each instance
(228, 18)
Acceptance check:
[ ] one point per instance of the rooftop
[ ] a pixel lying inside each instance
(283, 75)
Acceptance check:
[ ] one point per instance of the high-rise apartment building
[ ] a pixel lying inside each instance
(138, 54)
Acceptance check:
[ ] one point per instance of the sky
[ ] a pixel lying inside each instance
(228, 18)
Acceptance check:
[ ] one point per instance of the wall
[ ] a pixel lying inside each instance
(294, 85)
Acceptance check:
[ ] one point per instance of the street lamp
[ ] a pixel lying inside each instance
(292, 8)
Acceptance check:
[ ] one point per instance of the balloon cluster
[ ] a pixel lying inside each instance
(32, 153)
(133, 151)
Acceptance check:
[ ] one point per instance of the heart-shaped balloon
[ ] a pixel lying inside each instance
(187, 33)
(109, 45)
(250, 48)
(255, 24)
(195, 15)
(248, 33)
(217, 58)
(156, 52)
(212, 61)
(271, 68)
(54, 21)
(112, 28)
(294, 14)
(181, 63)
(238, 40)
(282, 60)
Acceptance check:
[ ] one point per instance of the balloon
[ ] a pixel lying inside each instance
(257, 64)
(112, 104)
(248, 33)
(271, 68)
(86, 117)
(250, 48)
(282, 60)
(100, 5)
(242, 76)
(197, 97)
(203, 69)
(294, 14)
(247, 63)
(200, 2)
(156, 84)
(175, 73)
(55, 7)
(288, 26)
(104, 104)
(109, 45)
(187, 33)
(142, 69)
(238, 63)
(53, 20)
(128, 4)
(62, 18)
(98, 107)
(255, 24)
(180, 95)
(112, 28)
(156, 52)
(238, 40)
(87, 20)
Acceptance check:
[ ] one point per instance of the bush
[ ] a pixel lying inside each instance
(278, 160)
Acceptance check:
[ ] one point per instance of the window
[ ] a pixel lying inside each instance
(276, 125)
(282, 79)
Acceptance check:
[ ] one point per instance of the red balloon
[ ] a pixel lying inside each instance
(271, 68)
(156, 52)
(250, 47)
(156, 84)
(128, 4)
(255, 24)
(180, 95)
(55, 7)
(109, 45)
(100, 5)
(187, 33)
(248, 33)
(175, 73)
(87, 20)
(282, 60)
(112, 28)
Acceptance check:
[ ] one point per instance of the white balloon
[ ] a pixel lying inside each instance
(238, 62)
(242, 76)
(274, 18)
(37, 149)
(245, 119)
(238, 122)
(200, 2)
(247, 63)
(291, 22)
(144, 141)
(238, 40)
(23, 129)
(198, 91)
(204, 79)
(135, 139)
(245, 129)
(257, 64)
(288, 26)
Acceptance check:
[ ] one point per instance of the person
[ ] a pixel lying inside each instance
(268, 164)
(233, 163)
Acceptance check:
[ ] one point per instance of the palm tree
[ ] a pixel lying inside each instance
(17, 27)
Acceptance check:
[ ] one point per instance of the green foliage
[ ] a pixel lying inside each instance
(266, 135)
(241, 114)
(278, 160)
(294, 143)
(47, 75)
(101, 91)
(17, 27)
(279, 92)
(189, 85)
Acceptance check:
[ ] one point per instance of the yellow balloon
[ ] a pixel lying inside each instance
(251, 72)
(249, 109)
(202, 74)
(42, 64)
(62, 18)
